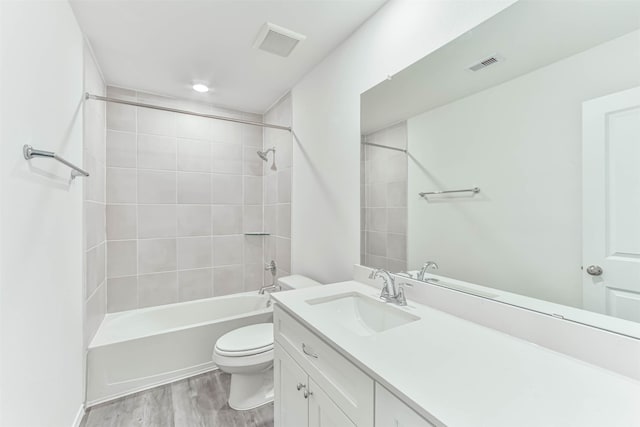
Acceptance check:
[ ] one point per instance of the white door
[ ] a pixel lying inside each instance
(323, 412)
(611, 204)
(291, 407)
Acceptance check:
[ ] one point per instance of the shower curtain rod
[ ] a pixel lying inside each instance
(385, 146)
(191, 113)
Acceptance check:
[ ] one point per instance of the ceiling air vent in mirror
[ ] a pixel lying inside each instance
(277, 40)
(481, 65)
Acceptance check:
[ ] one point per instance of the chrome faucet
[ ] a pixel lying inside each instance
(390, 292)
(425, 267)
(273, 286)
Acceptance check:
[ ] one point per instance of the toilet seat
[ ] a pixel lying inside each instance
(246, 341)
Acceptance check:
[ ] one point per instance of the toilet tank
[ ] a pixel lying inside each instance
(296, 281)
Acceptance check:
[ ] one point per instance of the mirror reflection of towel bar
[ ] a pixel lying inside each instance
(473, 190)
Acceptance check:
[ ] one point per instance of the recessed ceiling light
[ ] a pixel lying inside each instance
(199, 87)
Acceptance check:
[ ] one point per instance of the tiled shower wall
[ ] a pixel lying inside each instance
(181, 191)
(95, 288)
(277, 189)
(384, 200)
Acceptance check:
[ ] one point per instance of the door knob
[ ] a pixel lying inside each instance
(300, 386)
(594, 270)
(306, 394)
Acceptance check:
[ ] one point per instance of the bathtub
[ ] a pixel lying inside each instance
(138, 349)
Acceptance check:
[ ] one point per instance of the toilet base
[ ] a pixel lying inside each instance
(250, 391)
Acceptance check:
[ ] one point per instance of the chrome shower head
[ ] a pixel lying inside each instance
(263, 156)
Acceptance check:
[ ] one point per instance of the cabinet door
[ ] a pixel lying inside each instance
(392, 412)
(290, 406)
(323, 412)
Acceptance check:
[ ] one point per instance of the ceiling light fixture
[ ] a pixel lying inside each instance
(199, 87)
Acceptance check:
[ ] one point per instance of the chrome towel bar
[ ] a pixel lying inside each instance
(473, 190)
(29, 153)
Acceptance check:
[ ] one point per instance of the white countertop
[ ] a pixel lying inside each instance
(459, 373)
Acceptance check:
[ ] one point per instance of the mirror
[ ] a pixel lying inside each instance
(511, 158)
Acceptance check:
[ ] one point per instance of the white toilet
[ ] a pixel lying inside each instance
(247, 354)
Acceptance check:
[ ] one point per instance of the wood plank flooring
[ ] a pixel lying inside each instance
(200, 401)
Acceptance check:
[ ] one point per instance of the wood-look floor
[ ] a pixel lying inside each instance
(200, 401)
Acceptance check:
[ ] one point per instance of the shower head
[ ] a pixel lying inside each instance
(263, 156)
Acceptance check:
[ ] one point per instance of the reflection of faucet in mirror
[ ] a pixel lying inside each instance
(425, 267)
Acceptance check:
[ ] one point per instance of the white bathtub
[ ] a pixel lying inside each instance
(138, 349)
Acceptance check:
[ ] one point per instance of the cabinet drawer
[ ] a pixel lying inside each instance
(349, 387)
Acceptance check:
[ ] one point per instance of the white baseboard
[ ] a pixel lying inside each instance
(79, 416)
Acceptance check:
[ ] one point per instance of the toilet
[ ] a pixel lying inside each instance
(247, 354)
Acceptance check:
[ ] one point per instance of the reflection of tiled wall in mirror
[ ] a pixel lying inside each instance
(384, 200)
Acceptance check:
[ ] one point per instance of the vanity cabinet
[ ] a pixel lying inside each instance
(314, 385)
(392, 412)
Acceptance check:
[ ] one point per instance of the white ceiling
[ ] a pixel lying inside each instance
(164, 46)
(529, 34)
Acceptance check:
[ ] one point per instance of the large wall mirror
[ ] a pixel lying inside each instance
(510, 157)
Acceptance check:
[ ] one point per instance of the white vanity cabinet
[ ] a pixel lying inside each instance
(392, 412)
(314, 385)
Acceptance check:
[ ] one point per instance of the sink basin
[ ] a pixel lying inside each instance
(361, 314)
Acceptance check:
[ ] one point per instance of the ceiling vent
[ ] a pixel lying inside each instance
(277, 40)
(481, 65)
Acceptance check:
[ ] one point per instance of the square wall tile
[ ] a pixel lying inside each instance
(396, 246)
(195, 284)
(227, 250)
(253, 247)
(193, 127)
(194, 252)
(157, 289)
(156, 122)
(122, 294)
(121, 149)
(121, 117)
(253, 277)
(227, 280)
(227, 132)
(194, 156)
(156, 187)
(227, 189)
(156, 221)
(156, 255)
(226, 219)
(157, 152)
(226, 158)
(121, 185)
(253, 190)
(121, 222)
(252, 135)
(253, 164)
(194, 220)
(121, 258)
(252, 218)
(194, 188)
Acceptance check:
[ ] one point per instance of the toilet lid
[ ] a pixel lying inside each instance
(250, 339)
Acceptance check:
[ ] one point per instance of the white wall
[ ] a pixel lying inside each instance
(326, 122)
(521, 143)
(40, 215)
